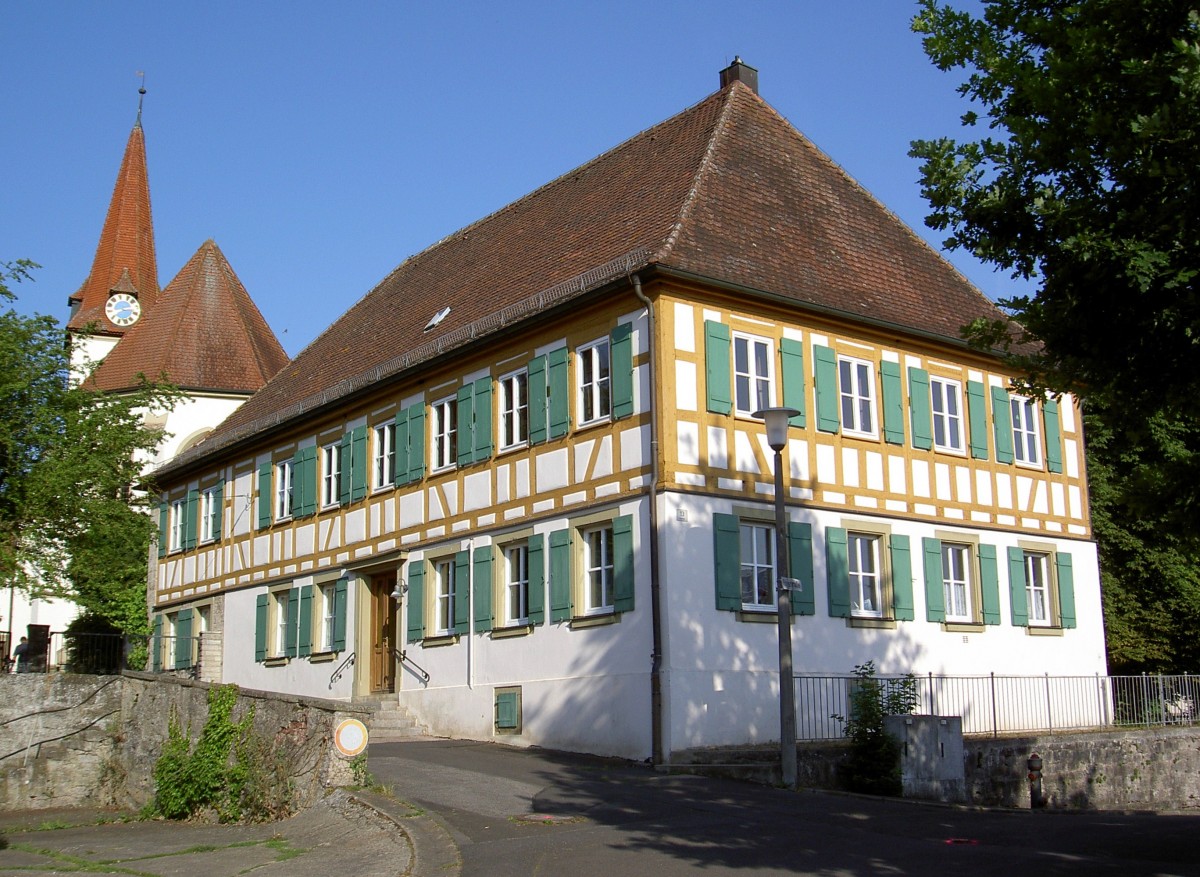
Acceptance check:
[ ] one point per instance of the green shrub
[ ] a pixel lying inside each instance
(873, 765)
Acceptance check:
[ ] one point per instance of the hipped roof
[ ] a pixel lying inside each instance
(727, 191)
(204, 334)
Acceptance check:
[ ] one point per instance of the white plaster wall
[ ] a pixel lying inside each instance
(18, 610)
(585, 689)
(723, 679)
(190, 417)
(298, 676)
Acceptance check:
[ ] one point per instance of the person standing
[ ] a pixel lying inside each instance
(21, 655)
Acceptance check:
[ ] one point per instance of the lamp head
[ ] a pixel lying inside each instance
(776, 420)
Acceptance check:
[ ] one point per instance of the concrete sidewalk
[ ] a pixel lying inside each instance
(350, 832)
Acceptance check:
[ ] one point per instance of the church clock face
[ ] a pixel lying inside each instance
(122, 309)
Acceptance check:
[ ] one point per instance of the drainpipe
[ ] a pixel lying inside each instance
(656, 613)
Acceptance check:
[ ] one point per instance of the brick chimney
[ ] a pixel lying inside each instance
(740, 71)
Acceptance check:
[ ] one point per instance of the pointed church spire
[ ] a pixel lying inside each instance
(126, 246)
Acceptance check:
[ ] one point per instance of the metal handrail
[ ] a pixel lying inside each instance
(341, 670)
(402, 656)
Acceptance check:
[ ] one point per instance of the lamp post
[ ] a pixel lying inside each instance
(776, 420)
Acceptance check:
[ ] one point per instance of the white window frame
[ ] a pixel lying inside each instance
(328, 592)
(946, 409)
(753, 375)
(516, 583)
(865, 566)
(445, 594)
(958, 587)
(1027, 431)
(283, 490)
(383, 456)
(594, 381)
(178, 509)
(331, 474)
(761, 560)
(597, 546)
(279, 622)
(443, 427)
(1038, 598)
(514, 409)
(208, 515)
(856, 397)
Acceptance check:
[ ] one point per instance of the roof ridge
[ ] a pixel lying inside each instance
(685, 210)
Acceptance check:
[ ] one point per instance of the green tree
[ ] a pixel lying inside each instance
(1085, 184)
(71, 523)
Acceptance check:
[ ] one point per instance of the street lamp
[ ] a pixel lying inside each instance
(776, 420)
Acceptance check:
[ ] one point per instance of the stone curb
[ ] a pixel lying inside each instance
(434, 851)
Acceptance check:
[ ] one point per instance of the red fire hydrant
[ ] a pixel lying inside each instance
(1035, 782)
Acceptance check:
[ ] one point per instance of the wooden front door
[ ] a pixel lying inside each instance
(383, 633)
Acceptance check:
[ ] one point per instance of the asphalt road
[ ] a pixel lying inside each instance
(531, 812)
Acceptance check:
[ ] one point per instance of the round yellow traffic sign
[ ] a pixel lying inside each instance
(350, 738)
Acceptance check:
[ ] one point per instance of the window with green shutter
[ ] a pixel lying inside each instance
(621, 344)
(191, 517)
(261, 605)
(800, 564)
(559, 392)
(538, 408)
(410, 444)
(462, 602)
(183, 640)
(977, 413)
(918, 406)
(717, 368)
(416, 601)
(304, 482)
(264, 495)
(305, 625)
(560, 575)
(156, 644)
(795, 385)
(902, 581)
(825, 368)
(537, 578)
(481, 584)
(1053, 430)
(1002, 425)
(164, 511)
(893, 402)
(508, 710)
(623, 568)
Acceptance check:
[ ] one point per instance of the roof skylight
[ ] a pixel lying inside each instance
(436, 318)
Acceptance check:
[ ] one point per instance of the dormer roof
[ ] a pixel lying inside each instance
(205, 334)
(726, 192)
(125, 260)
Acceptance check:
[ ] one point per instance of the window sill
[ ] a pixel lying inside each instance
(441, 639)
(583, 622)
(277, 661)
(760, 616)
(1038, 630)
(591, 424)
(322, 657)
(512, 631)
(963, 627)
(871, 623)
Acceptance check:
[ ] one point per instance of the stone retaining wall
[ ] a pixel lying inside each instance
(68, 740)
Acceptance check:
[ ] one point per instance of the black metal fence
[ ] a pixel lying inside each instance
(107, 653)
(995, 704)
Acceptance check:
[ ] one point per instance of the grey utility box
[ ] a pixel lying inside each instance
(931, 756)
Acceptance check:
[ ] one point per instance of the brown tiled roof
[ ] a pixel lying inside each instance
(727, 190)
(125, 258)
(204, 334)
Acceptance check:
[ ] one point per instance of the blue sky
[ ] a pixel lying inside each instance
(320, 144)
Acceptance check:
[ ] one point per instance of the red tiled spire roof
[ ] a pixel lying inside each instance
(125, 258)
(726, 191)
(205, 334)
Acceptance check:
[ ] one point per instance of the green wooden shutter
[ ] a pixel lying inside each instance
(837, 570)
(156, 647)
(304, 482)
(465, 399)
(620, 342)
(345, 468)
(717, 370)
(416, 601)
(264, 495)
(164, 523)
(989, 583)
(919, 408)
(305, 621)
(481, 584)
(1002, 425)
(1050, 419)
(902, 579)
(219, 506)
(727, 561)
(623, 577)
(825, 363)
(537, 579)
(935, 589)
(190, 518)
(260, 627)
(977, 414)
(462, 592)
(800, 566)
(483, 420)
(416, 442)
(183, 639)
(506, 710)
(893, 402)
(358, 463)
(791, 355)
(1016, 587)
(400, 470)
(537, 400)
(560, 575)
(292, 634)
(560, 392)
(340, 593)
(1066, 589)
